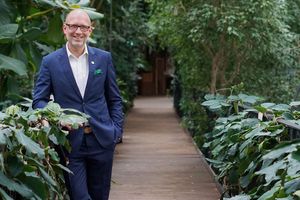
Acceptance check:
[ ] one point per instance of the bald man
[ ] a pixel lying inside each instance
(83, 78)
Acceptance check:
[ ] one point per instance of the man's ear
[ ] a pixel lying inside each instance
(93, 24)
(64, 28)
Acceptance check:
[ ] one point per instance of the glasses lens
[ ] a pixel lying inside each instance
(74, 27)
(84, 28)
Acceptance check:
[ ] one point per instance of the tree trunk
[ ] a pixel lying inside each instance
(214, 72)
(217, 60)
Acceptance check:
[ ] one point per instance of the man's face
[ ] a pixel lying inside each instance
(77, 29)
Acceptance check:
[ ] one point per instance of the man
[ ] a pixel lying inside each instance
(83, 78)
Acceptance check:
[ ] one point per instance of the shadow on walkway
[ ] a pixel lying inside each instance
(157, 159)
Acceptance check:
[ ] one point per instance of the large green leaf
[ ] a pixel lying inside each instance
(47, 177)
(270, 172)
(53, 108)
(2, 136)
(14, 165)
(213, 104)
(255, 132)
(276, 153)
(295, 103)
(288, 116)
(8, 63)
(4, 195)
(93, 14)
(292, 186)
(36, 184)
(2, 116)
(249, 99)
(57, 136)
(29, 144)
(281, 107)
(83, 2)
(297, 193)
(232, 98)
(249, 122)
(62, 4)
(270, 193)
(45, 49)
(36, 57)
(64, 168)
(268, 105)
(5, 13)
(76, 112)
(239, 197)
(8, 32)
(54, 35)
(74, 120)
(31, 34)
(47, 2)
(53, 154)
(13, 186)
(293, 164)
(19, 53)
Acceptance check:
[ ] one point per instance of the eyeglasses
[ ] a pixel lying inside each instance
(74, 27)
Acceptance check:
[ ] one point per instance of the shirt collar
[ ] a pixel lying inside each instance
(70, 54)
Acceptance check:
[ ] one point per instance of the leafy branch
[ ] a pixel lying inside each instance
(30, 166)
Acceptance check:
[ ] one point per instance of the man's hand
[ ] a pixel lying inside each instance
(45, 123)
(68, 127)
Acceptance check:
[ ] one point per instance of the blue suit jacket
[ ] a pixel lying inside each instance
(102, 100)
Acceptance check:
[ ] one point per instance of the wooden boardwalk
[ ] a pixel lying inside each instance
(157, 159)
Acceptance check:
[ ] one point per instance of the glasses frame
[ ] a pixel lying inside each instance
(74, 27)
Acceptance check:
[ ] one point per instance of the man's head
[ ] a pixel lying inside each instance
(77, 28)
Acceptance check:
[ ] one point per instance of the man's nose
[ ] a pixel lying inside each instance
(78, 30)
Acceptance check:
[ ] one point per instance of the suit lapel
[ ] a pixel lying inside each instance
(68, 70)
(92, 67)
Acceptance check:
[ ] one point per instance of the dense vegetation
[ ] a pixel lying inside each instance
(30, 29)
(253, 45)
(216, 44)
(213, 45)
(254, 154)
(123, 32)
(29, 162)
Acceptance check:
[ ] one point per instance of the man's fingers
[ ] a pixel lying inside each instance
(66, 127)
(69, 127)
(45, 123)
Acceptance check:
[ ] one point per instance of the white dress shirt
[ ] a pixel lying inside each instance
(80, 68)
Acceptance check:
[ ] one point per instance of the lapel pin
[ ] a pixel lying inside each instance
(92, 62)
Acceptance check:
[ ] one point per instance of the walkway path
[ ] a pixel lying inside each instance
(157, 159)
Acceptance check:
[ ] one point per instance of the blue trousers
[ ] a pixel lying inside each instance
(92, 168)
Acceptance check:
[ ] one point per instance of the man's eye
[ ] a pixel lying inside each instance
(74, 26)
(83, 27)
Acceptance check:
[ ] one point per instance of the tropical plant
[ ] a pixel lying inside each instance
(29, 30)
(30, 165)
(123, 32)
(216, 44)
(251, 150)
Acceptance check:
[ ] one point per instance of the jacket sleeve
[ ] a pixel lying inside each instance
(113, 97)
(43, 87)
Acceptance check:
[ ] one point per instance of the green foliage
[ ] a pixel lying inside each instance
(29, 164)
(30, 29)
(217, 44)
(252, 156)
(123, 32)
